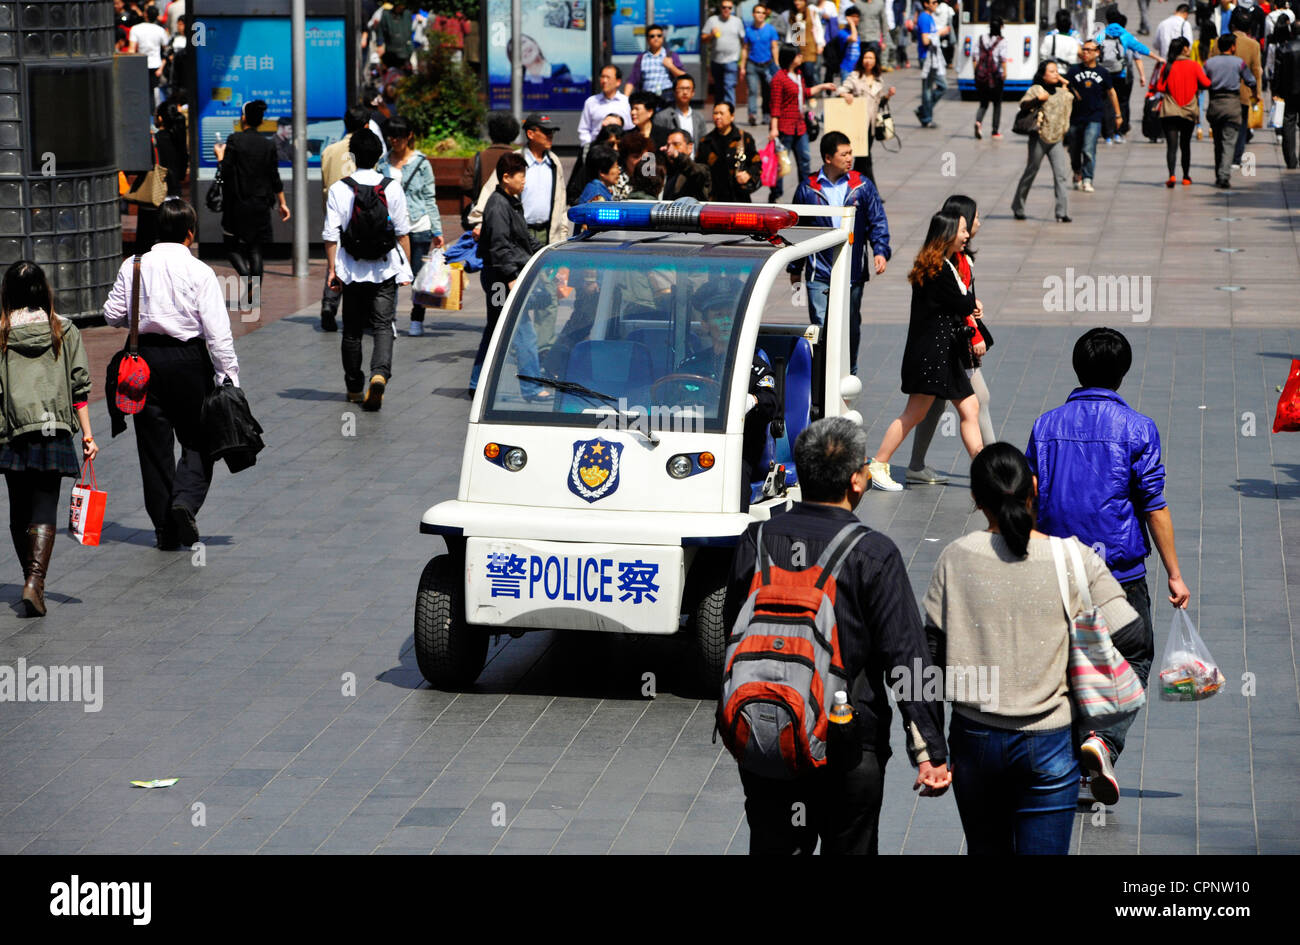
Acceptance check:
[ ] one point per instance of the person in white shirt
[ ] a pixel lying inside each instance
(1171, 28)
(608, 101)
(1061, 45)
(185, 340)
(148, 39)
(366, 265)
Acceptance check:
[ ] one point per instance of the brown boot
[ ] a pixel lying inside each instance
(19, 535)
(40, 539)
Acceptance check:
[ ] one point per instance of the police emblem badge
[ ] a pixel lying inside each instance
(594, 472)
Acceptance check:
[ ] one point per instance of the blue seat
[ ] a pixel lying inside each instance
(622, 368)
(658, 342)
(797, 353)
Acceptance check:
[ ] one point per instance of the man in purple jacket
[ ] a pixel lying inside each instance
(1100, 478)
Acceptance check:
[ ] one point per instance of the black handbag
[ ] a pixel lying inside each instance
(814, 125)
(1028, 119)
(215, 198)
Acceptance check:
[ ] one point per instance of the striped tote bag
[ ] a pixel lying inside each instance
(1101, 681)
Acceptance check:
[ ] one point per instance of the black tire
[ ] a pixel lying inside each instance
(707, 628)
(450, 653)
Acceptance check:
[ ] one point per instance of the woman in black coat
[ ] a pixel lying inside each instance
(936, 340)
(250, 172)
(173, 153)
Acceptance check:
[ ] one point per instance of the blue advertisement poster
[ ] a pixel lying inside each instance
(680, 19)
(555, 50)
(247, 58)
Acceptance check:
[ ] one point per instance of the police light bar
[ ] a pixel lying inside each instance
(683, 217)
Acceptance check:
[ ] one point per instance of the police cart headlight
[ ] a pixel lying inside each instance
(679, 467)
(515, 459)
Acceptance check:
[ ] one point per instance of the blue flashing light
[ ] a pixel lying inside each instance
(603, 215)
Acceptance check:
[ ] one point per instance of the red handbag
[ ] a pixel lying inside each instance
(1287, 418)
(132, 371)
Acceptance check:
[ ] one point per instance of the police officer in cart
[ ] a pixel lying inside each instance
(717, 307)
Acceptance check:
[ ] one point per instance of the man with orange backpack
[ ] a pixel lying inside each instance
(819, 603)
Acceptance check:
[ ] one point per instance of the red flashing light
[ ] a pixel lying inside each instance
(763, 222)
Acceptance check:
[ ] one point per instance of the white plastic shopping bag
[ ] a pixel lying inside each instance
(1188, 672)
(432, 281)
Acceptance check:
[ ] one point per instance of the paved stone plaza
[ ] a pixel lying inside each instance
(230, 675)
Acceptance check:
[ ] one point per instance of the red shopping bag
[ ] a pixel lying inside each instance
(86, 514)
(771, 166)
(1287, 419)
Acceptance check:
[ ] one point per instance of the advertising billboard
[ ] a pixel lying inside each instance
(555, 51)
(247, 58)
(680, 19)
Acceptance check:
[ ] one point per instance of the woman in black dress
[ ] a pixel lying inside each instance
(936, 339)
(46, 385)
(173, 153)
(250, 171)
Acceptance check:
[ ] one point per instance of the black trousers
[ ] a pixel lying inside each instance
(1178, 135)
(368, 307)
(245, 259)
(1124, 92)
(33, 497)
(842, 809)
(180, 377)
(863, 166)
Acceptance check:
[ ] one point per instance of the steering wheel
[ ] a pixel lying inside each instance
(707, 392)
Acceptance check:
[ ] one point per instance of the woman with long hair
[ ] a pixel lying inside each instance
(1050, 94)
(408, 164)
(995, 46)
(171, 147)
(1179, 80)
(45, 378)
(996, 604)
(864, 82)
(978, 342)
(931, 360)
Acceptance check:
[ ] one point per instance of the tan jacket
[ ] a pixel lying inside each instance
(1248, 50)
(559, 205)
(336, 163)
(1056, 112)
(869, 88)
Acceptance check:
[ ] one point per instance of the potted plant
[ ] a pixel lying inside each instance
(444, 105)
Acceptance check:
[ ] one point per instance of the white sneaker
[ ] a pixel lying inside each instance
(416, 330)
(880, 477)
(1086, 186)
(1120, 139)
(1094, 756)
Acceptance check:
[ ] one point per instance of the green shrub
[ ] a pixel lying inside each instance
(443, 98)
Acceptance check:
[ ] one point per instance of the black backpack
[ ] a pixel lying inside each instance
(369, 235)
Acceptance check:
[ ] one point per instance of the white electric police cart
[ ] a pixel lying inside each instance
(600, 484)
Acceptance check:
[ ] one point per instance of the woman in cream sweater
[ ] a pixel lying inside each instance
(997, 623)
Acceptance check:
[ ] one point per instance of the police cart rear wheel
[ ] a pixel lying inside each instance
(450, 653)
(708, 631)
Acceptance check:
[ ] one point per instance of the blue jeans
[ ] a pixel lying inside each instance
(818, 294)
(1140, 656)
(798, 145)
(1083, 147)
(933, 86)
(759, 77)
(724, 81)
(1016, 791)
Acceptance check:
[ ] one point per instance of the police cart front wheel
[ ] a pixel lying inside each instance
(450, 653)
(709, 632)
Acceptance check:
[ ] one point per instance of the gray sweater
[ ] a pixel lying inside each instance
(871, 26)
(1001, 619)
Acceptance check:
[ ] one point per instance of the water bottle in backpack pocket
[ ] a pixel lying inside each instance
(783, 665)
(369, 235)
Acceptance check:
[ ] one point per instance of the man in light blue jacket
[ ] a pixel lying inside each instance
(1119, 47)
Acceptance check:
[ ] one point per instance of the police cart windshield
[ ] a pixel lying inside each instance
(1011, 11)
(607, 332)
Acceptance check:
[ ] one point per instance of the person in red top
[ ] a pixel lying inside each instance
(1180, 81)
(790, 102)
